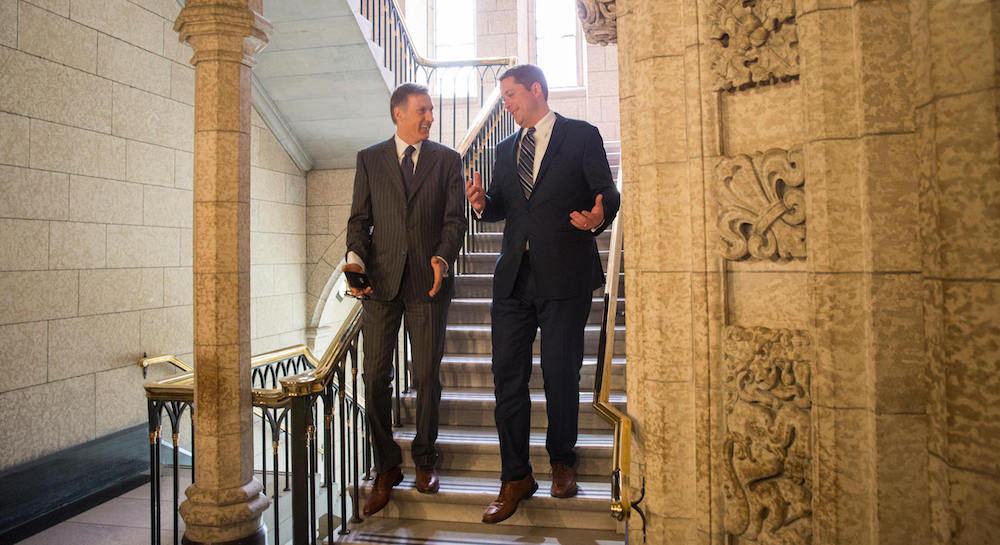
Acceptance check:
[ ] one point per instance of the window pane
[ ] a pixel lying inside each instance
(555, 41)
(455, 25)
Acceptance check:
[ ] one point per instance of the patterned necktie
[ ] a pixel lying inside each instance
(526, 162)
(407, 169)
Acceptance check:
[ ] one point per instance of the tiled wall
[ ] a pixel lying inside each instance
(96, 153)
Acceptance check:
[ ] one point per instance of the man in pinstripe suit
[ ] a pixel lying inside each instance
(405, 230)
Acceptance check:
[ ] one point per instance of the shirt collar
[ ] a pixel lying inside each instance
(402, 145)
(544, 126)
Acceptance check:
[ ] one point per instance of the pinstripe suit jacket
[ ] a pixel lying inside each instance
(387, 227)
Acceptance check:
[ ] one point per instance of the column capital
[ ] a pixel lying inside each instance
(222, 32)
(599, 18)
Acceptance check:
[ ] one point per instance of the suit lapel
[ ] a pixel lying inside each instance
(424, 163)
(391, 164)
(555, 140)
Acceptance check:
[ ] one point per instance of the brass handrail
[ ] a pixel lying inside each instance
(621, 506)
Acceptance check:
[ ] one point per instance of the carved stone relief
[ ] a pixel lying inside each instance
(762, 207)
(766, 457)
(599, 20)
(754, 42)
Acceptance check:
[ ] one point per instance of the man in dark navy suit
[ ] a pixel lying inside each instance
(552, 184)
(406, 227)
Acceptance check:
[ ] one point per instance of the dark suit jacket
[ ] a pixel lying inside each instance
(387, 228)
(574, 170)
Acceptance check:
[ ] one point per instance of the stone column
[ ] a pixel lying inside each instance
(225, 503)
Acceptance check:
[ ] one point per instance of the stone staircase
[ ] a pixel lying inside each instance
(469, 466)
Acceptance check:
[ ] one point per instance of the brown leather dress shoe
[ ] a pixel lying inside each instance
(427, 480)
(379, 495)
(511, 493)
(563, 481)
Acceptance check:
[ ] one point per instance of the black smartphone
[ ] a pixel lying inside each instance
(358, 281)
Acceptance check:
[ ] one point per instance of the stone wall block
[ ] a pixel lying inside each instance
(885, 64)
(215, 178)
(274, 315)
(844, 465)
(897, 344)
(666, 326)
(13, 140)
(920, 47)
(45, 418)
(662, 102)
(834, 202)
(901, 472)
(968, 167)
(282, 218)
(893, 202)
(114, 290)
(289, 279)
(227, 223)
(77, 245)
(182, 83)
(840, 374)
(762, 118)
(37, 295)
(960, 37)
(183, 170)
(769, 299)
(43, 89)
(105, 201)
(167, 207)
(33, 194)
(125, 63)
(122, 19)
(261, 280)
(665, 218)
(930, 193)
(148, 164)
(8, 23)
(150, 118)
(829, 75)
(936, 377)
(973, 517)
(330, 187)
(141, 246)
(94, 154)
(267, 185)
(24, 245)
(972, 360)
(116, 406)
(177, 286)
(23, 355)
(167, 330)
(317, 223)
(670, 437)
(83, 346)
(271, 155)
(218, 91)
(56, 38)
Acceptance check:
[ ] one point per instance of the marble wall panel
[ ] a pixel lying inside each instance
(115, 290)
(43, 89)
(86, 345)
(24, 245)
(167, 207)
(77, 245)
(148, 164)
(45, 418)
(104, 201)
(56, 38)
(143, 116)
(23, 355)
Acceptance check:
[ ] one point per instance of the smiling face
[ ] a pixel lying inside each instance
(414, 118)
(526, 104)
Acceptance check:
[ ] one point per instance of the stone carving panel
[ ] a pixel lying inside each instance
(599, 20)
(762, 207)
(754, 42)
(766, 457)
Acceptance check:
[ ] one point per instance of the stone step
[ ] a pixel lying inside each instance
(474, 371)
(468, 286)
(490, 241)
(485, 262)
(476, 449)
(413, 532)
(475, 339)
(476, 310)
(474, 407)
(463, 499)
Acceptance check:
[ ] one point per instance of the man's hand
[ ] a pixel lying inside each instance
(354, 267)
(474, 192)
(438, 265)
(586, 220)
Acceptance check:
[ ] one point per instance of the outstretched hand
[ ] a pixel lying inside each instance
(438, 265)
(475, 193)
(585, 220)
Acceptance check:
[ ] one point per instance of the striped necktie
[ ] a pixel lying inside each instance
(526, 162)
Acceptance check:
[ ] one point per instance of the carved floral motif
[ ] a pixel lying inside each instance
(762, 208)
(755, 42)
(767, 481)
(599, 20)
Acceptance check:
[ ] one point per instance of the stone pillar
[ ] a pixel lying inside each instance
(224, 504)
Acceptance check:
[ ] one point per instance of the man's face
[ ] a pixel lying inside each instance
(414, 118)
(524, 104)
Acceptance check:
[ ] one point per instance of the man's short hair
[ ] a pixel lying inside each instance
(401, 94)
(527, 74)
